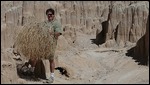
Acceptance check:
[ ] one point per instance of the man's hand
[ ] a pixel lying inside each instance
(56, 34)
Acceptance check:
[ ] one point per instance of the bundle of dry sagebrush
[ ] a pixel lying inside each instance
(35, 41)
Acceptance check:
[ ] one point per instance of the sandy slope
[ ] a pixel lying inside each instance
(90, 64)
(106, 67)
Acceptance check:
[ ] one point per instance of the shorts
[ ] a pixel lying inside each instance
(53, 49)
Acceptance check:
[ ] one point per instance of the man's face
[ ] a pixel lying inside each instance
(50, 16)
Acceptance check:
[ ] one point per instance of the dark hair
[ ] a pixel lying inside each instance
(50, 10)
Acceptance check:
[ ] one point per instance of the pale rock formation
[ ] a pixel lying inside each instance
(119, 20)
(141, 50)
(8, 67)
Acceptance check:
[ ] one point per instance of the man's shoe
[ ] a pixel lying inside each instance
(50, 80)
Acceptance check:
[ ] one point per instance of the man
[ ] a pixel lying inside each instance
(56, 32)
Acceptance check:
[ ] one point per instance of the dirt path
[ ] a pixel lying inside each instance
(98, 65)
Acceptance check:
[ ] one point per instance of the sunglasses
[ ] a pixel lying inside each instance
(49, 14)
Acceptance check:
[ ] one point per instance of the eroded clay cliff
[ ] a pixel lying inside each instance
(112, 22)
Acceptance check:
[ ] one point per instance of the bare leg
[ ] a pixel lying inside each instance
(32, 62)
(52, 65)
(52, 68)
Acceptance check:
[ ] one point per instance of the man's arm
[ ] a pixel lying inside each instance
(57, 29)
(56, 34)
